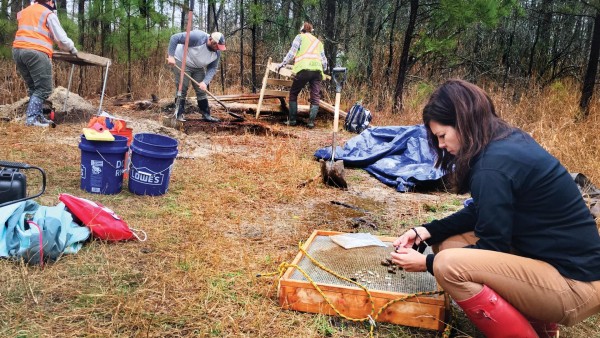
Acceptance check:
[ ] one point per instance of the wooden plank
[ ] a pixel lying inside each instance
(262, 90)
(437, 300)
(303, 109)
(329, 108)
(298, 257)
(279, 82)
(81, 59)
(409, 312)
(277, 93)
(287, 70)
(242, 97)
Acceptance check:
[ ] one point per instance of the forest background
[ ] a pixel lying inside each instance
(387, 45)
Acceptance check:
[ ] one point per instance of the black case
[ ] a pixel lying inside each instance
(13, 185)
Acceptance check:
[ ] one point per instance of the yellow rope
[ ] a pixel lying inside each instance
(370, 318)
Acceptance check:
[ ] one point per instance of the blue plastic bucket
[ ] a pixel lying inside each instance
(102, 165)
(152, 157)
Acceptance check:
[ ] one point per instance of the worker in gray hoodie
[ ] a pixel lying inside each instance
(202, 60)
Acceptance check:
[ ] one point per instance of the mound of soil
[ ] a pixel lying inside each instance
(76, 109)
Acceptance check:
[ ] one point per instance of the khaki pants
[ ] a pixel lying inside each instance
(197, 74)
(534, 287)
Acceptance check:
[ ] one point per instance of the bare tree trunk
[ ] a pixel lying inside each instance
(129, 47)
(208, 19)
(254, 52)
(285, 10)
(184, 14)
(242, 45)
(81, 23)
(106, 29)
(370, 39)
(532, 50)
(592, 69)
(298, 14)
(330, 45)
(403, 68)
(15, 7)
(544, 51)
(348, 27)
(388, 69)
(506, 58)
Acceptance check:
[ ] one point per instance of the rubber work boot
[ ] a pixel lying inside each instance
(205, 111)
(313, 115)
(293, 114)
(180, 110)
(34, 113)
(495, 317)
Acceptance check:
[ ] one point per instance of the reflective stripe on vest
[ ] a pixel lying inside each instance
(33, 32)
(309, 54)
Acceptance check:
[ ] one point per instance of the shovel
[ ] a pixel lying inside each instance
(237, 116)
(333, 171)
(172, 121)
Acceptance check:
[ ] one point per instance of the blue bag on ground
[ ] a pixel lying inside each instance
(358, 119)
(51, 234)
(398, 156)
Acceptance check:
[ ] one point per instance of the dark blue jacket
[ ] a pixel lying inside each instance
(527, 203)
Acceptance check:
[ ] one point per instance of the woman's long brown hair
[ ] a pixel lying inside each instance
(471, 112)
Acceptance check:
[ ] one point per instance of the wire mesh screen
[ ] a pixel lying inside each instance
(363, 265)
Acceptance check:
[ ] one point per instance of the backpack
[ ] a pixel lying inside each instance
(104, 223)
(358, 119)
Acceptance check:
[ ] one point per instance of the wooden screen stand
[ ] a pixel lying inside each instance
(287, 73)
(83, 59)
(281, 94)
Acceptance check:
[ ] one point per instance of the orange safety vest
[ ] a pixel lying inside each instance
(33, 32)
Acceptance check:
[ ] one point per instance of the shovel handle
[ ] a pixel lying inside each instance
(207, 92)
(185, 46)
(336, 122)
(336, 115)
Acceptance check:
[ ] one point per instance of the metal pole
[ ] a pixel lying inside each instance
(68, 88)
(103, 88)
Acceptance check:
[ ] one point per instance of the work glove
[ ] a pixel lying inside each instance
(73, 51)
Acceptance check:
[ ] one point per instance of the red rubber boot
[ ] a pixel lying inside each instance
(495, 317)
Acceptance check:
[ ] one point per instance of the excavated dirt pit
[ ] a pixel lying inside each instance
(194, 126)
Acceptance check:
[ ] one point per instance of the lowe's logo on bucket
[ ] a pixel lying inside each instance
(146, 176)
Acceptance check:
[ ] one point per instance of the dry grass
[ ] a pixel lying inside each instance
(228, 216)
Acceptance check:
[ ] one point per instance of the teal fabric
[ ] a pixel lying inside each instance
(60, 235)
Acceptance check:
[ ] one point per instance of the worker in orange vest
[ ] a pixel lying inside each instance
(309, 64)
(38, 29)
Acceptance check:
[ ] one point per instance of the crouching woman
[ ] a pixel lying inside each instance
(525, 255)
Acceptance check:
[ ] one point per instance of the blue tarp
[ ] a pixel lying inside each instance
(398, 156)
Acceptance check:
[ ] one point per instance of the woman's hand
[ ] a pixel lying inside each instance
(409, 259)
(406, 240)
(412, 236)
